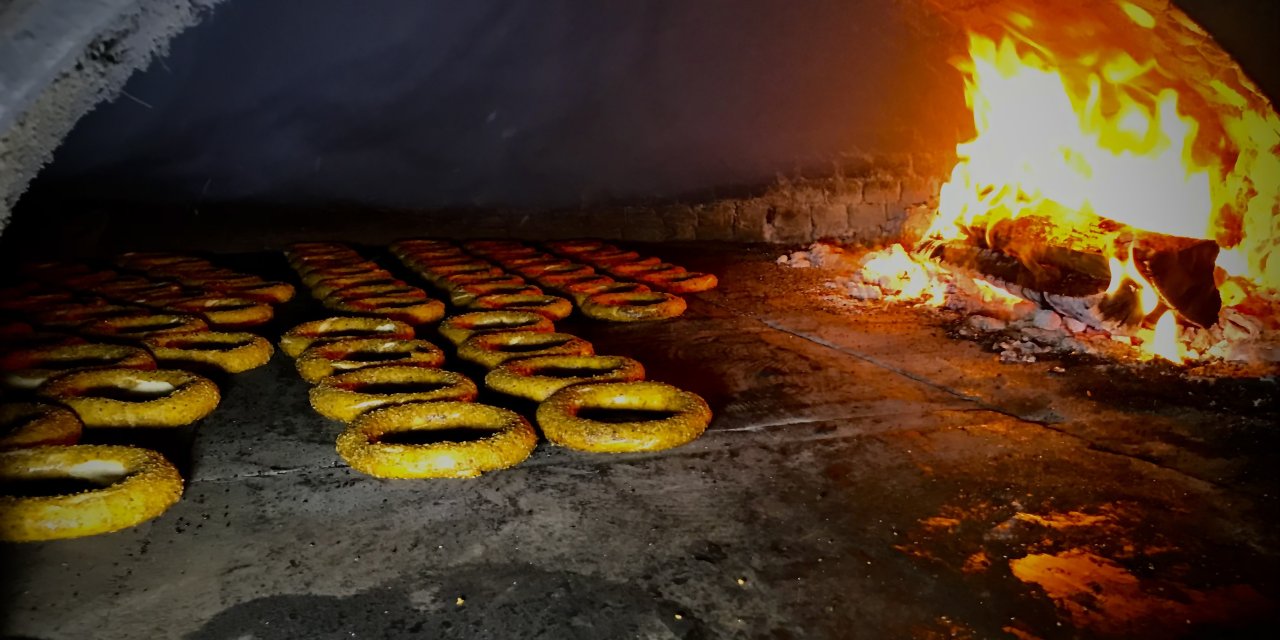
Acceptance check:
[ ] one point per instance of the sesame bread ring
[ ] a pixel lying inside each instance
(132, 398)
(577, 245)
(297, 339)
(462, 440)
(503, 256)
(30, 368)
(608, 258)
(144, 326)
(556, 276)
(130, 486)
(230, 352)
(414, 245)
(399, 289)
(29, 424)
(680, 282)
(148, 260)
(453, 282)
(616, 417)
(553, 307)
(266, 291)
(585, 280)
(355, 353)
(74, 315)
(13, 299)
(492, 349)
(409, 310)
(345, 396)
(535, 267)
(312, 276)
(437, 271)
(538, 377)
(327, 286)
(640, 267)
(224, 313)
(582, 291)
(481, 245)
(466, 295)
(458, 328)
(632, 307)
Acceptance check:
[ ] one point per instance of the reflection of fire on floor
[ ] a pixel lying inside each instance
(1099, 578)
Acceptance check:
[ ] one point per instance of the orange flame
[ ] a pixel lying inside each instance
(1077, 118)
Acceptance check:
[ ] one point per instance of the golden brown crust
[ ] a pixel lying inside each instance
(409, 310)
(492, 349)
(138, 327)
(632, 307)
(680, 281)
(30, 368)
(232, 352)
(539, 377)
(509, 440)
(552, 307)
(131, 398)
(138, 486)
(464, 295)
(460, 327)
(30, 424)
(561, 422)
(356, 353)
(224, 312)
(345, 396)
(297, 339)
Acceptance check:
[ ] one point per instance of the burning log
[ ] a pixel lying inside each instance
(1073, 262)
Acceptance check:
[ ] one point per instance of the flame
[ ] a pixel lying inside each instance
(1079, 118)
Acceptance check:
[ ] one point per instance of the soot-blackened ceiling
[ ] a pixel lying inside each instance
(430, 104)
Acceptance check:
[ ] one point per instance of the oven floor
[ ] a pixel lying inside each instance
(866, 476)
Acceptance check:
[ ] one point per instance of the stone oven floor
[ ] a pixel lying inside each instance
(865, 476)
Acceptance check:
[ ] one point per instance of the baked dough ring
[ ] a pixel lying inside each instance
(553, 307)
(577, 245)
(632, 307)
(263, 291)
(297, 339)
(561, 420)
(222, 312)
(680, 281)
(131, 398)
(144, 326)
(467, 294)
(355, 353)
(492, 349)
(637, 268)
(28, 424)
(232, 352)
(582, 291)
(345, 396)
(538, 377)
(409, 310)
(30, 368)
(460, 327)
(511, 439)
(138, 485)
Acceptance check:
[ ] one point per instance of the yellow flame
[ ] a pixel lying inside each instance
(1163, 340)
